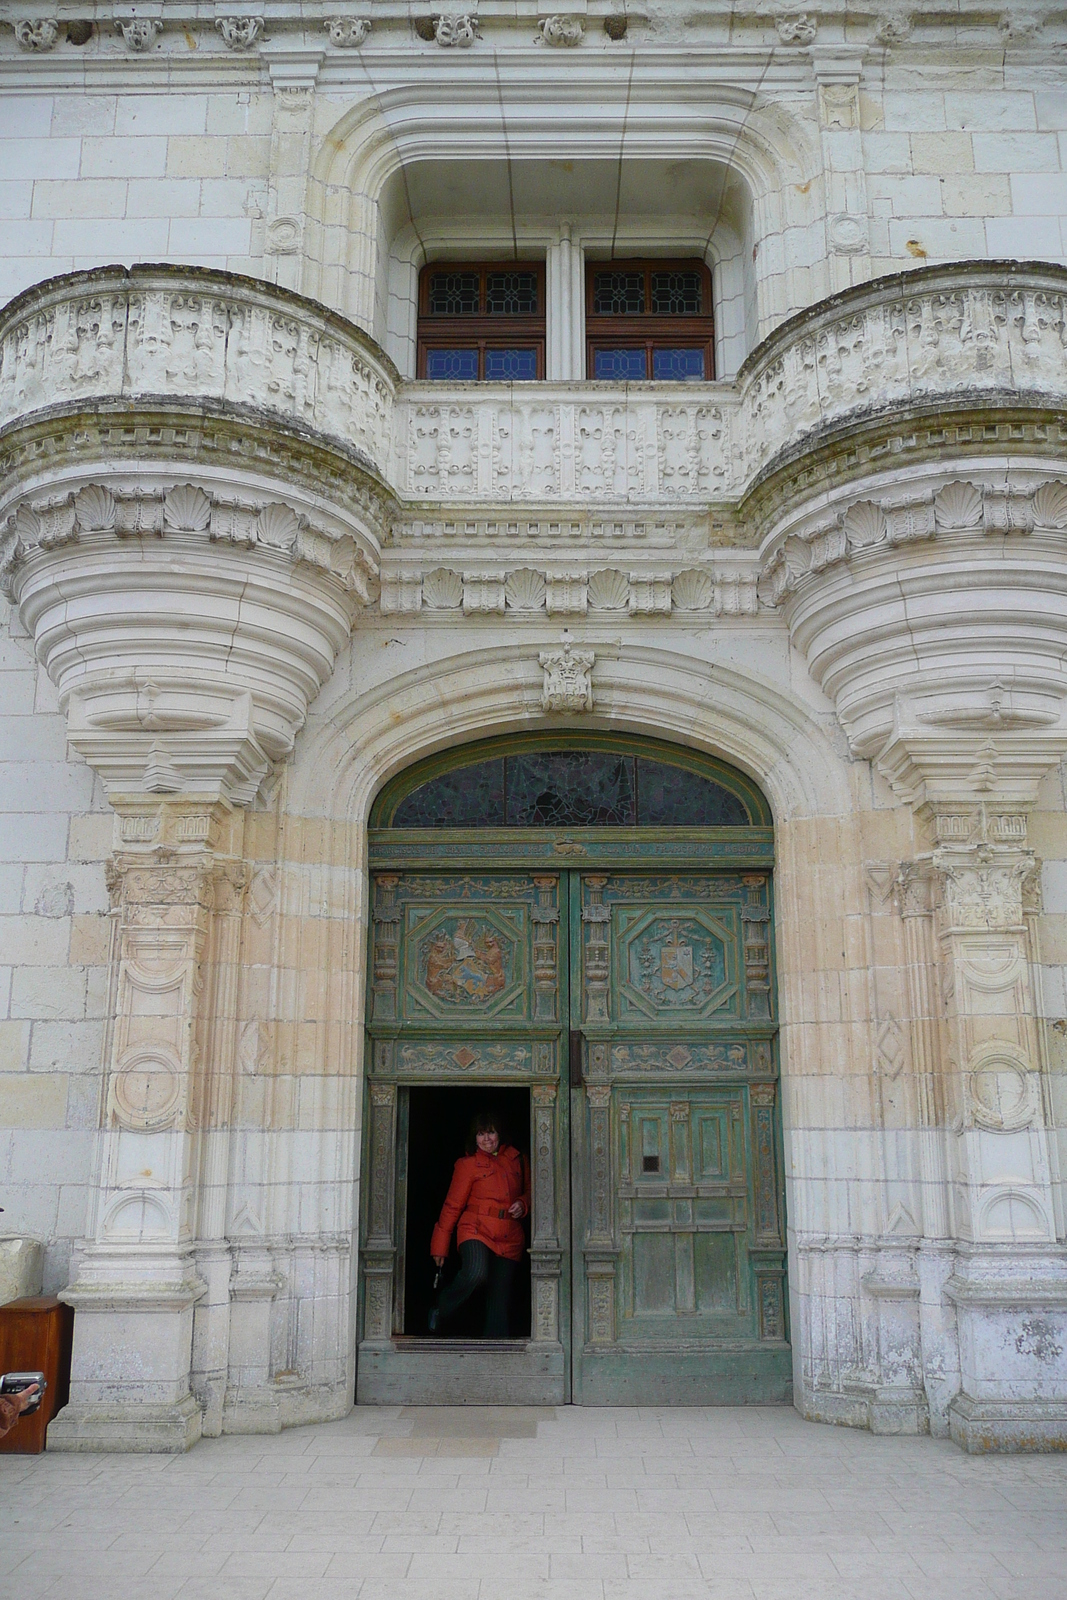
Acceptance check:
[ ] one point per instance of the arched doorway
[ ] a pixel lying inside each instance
(578, 928)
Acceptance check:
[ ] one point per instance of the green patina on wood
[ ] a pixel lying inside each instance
(631, 988)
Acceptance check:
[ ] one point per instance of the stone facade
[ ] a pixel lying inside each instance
(256, 569)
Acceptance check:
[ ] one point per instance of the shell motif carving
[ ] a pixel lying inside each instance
(693, 590)
(186, 509)
(442, 590)
(865, 524)
(1050, 505)
(278, 526)
(609, 590)
(958, 506)
(525, 590)
(94, 509)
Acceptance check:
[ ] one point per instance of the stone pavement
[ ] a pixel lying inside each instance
(512, 1504)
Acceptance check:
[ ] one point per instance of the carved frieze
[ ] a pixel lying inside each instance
(239, 32)
(561, 32)
(182, 333)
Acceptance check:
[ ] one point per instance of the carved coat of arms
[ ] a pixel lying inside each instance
(568, 683)
(676, 963)
(465, 965)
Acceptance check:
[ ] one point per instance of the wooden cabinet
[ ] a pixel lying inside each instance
(35, 1336)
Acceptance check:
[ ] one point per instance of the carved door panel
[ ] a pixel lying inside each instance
(679, 1247)
(657, 1245)
(467, 987)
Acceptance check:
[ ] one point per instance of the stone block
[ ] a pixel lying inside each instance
(114, 157)
(21, 1268)
(160, 114)
(32, 1100)
(162, 197)
(942, 152)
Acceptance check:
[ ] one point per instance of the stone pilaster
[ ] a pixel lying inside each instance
(136, 1284)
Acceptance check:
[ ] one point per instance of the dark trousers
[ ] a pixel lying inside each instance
(480, 1266)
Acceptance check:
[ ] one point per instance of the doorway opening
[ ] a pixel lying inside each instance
(438, 1124)
(577, 928)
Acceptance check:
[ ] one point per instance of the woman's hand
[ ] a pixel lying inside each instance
(439, 1261)
(517, 1209)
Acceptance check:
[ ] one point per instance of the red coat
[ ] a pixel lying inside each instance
(482, 1189)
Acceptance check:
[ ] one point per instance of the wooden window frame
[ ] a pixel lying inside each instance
(645, 329)
(482, 331)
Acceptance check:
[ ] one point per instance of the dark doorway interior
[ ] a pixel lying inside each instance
(438, 1122)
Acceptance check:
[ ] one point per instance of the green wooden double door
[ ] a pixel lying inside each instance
(633, 1003)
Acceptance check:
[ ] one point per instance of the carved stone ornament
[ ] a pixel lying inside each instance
(848, 234)
(562, 32)
(139, 33)
(456, 32)
(239, 33)
(800, 29)
(568, 683)
(40, 34)
(894, 28)
(347, 33)
(1020, 27)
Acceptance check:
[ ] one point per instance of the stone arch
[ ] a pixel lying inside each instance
(768, 150)
(727, 713)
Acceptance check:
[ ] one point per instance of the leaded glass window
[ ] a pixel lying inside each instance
(454, 294)
(511, 294)
(571, 789)
(649, 320)
(618, 294)
(482, 322)
(676, 294)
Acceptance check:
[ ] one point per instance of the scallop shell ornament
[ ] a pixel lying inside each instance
(442, 590)
(958, 506)
(693, 590)
(609, 590)
(94, 509)
(1050, 505)
(186, 509)
(525, 590)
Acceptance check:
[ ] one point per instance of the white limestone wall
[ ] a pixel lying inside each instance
(55, 832)
(957, 154)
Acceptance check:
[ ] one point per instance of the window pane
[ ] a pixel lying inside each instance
(516, 366)
(676, 294)
(457, 365)
(454, 294)
(570, 788)
(511, 294)
(671, 797)
(619, 364)
(618, 294)
(676, 364)
(470, 797)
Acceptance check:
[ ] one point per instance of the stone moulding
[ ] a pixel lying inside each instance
(195, 334)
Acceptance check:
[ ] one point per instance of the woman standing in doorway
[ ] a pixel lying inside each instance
(488, 1197)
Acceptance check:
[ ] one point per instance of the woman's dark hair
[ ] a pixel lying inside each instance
(487, 1120)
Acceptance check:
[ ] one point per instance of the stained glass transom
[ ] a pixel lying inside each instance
(676, 294)
(571, 788)
(619, 294)
(673, 364)
(511, 294)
